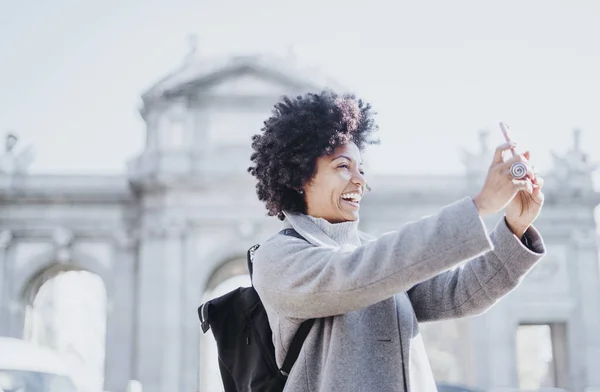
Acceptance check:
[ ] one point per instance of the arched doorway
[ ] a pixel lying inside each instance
(66, 311)
(227, 277)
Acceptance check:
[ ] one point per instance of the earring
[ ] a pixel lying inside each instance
(301, 191)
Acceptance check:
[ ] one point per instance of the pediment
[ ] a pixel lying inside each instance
(249, 82)
(245, 79)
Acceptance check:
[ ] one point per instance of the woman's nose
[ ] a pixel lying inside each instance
(359, 179)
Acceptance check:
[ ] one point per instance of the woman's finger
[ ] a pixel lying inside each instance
(531, 174)
(523, 185)
(515, 159)
(539, 195)
(498, 158)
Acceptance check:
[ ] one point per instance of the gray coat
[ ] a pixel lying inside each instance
(369, 299)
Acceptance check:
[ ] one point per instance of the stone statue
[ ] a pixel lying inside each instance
(192, 55)
(574, 170)
(11, 141)
(12, 162)
(575, 161)
(484, 137)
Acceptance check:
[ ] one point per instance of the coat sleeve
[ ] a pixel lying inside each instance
(300, 280)
(478, 284)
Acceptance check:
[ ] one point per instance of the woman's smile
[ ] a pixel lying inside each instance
(352, 199)
(336, 190)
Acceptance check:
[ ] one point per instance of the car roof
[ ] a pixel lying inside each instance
(447, 387)
(18, 354)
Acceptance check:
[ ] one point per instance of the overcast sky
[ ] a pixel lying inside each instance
(71, 72)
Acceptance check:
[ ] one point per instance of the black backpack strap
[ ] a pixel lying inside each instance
(291, 232)
(296, 346)
(203, 313)
(250, 257)
(302, 332)
(305, 327)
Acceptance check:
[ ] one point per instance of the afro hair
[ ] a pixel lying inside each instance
(299, 131)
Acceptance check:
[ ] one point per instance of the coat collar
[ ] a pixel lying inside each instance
(313, 233)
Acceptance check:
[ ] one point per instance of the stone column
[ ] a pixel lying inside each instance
(159, 353)
(480, 372)
(12, 316)
(120, 323)
(586, 257)
(501, 347)
(5, 240)
(16, 318)
(194, 278)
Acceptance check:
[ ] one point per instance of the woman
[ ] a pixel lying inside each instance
(369, 294)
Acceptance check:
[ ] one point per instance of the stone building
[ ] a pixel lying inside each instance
(164, 236)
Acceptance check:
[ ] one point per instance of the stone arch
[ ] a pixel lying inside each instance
(29, 276)
(227, 269)
(226, 259)
(36, 272)
(30, 282)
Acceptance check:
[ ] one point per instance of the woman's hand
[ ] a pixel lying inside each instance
(523, 210)
(500, 188)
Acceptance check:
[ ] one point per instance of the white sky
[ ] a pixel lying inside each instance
(71, 72)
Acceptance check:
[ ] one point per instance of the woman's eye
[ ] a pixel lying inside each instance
(343, 165)
(362, 172)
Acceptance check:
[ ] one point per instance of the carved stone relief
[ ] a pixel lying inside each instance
(551, 273)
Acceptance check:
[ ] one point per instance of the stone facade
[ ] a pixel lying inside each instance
(182, 218)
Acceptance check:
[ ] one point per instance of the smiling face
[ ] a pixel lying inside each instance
(335, 191)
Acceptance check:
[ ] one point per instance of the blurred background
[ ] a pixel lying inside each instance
(124, 200)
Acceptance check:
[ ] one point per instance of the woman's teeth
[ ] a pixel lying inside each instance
(353, 197)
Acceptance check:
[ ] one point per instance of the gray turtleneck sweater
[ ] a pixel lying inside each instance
(368, 295)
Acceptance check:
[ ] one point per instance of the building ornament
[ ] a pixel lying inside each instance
(574, 166)
(14, 162)
(5, 239)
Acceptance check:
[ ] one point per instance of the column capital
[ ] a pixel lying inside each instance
(126, 239)
(5, 238)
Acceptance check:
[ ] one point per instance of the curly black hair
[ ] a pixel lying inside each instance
(299, 131)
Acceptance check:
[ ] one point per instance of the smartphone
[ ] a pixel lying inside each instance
(505, 132)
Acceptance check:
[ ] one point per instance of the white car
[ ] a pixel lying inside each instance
(27, 367)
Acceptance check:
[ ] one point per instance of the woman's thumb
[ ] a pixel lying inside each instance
(523, 185)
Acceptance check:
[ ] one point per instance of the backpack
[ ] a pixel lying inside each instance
(244, 338)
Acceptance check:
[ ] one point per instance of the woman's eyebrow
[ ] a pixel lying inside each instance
(346, 157)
